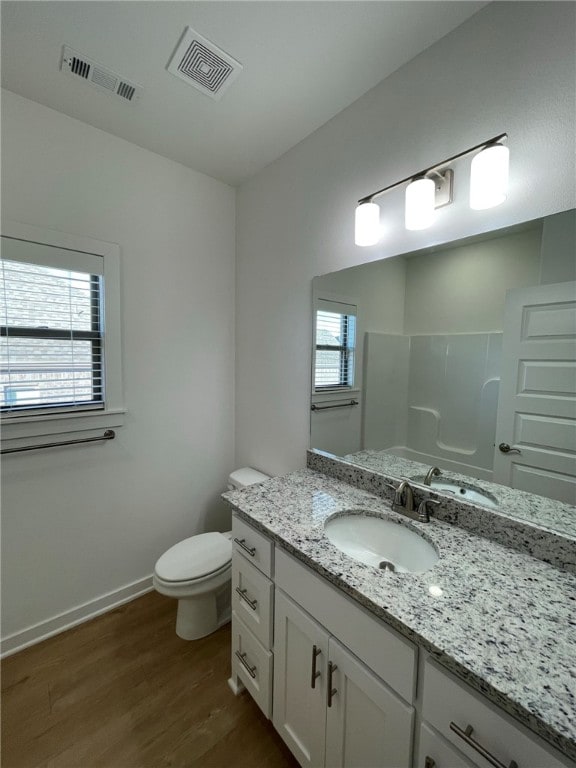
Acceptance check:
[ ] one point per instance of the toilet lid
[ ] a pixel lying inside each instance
(195, 557)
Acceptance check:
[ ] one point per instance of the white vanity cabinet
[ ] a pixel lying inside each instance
(435, 752)
(485, 734)
(328, 707)
(367, 723)
(252, 614)
(340, 685)
(334, 675)
(301, 653)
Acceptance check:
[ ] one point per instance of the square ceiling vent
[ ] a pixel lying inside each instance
(200, 63)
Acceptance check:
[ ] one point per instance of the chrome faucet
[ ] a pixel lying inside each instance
(404, 502)
(432, 472)
(404, 499)
(423, 512)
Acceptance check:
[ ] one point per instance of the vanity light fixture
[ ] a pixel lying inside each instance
(367, 229)
(489, 177)
(420, 203)
(431, 188)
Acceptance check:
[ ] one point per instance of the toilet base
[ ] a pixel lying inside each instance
(201, 615)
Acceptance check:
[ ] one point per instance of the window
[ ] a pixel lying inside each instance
(59, 343)
(335, 343)
(51, 320)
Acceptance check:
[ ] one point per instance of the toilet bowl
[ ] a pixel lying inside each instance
(198, 571)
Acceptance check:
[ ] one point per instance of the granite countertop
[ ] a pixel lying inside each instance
(505, 621)
(547, 513)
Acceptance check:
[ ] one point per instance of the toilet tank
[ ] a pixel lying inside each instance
(242, 478)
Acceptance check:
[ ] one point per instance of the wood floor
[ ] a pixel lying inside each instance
(123, 691)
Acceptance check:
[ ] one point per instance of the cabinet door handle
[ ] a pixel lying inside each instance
(242, 543)
(505, 448)
(315, 653)
(251, 670)
(331, 691)
(466, 736)
(429, 762)
(244, 596)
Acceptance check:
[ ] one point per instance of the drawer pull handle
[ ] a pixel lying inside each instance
(429, 762)
(244, 596)
(467, 737)
(315, 653)
(331, 691)
(251, 670)
(242, 543)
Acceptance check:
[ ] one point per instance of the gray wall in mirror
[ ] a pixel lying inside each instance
(429, 363)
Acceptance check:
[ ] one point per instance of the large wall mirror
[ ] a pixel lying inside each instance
(461, 357)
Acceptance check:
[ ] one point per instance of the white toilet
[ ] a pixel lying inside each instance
(197, 571)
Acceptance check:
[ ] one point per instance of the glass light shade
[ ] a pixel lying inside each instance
(420, 198)
(489, 177)
(367, 220)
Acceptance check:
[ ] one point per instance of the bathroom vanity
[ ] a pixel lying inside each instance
(468, 663)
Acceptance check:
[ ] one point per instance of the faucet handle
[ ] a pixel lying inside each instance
(423, 513)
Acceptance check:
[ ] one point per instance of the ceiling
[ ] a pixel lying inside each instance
(303, 62)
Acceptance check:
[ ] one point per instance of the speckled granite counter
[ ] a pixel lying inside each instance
(524, 526)
(505, 621)
(548, 513)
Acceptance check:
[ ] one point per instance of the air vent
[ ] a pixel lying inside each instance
(74, 63)
(200, 63)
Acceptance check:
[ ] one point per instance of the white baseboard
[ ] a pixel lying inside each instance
(63, 621)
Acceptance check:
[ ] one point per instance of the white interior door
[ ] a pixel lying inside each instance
(537, 403)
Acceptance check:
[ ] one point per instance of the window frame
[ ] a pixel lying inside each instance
(335, 300)
(17, 428)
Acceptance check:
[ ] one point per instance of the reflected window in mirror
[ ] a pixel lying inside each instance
(334, 345)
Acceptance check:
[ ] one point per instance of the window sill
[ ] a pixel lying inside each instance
(336, 391)
(16, 431)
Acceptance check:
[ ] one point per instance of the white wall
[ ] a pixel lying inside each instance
(463, 289)
(558, 262)
(509, 68)
(82, 522)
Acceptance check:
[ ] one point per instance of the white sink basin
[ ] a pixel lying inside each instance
(380, 542)
(464, 492)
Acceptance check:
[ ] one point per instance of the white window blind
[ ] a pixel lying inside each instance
(335, 333)
(51, 317)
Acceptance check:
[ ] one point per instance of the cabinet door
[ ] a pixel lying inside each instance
(366, 724)
(299, 709)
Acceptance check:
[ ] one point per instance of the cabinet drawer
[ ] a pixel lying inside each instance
(252, 599)
(253, 545)
(435, 752)
(449, 704)
(252, 663)
(388, 654)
